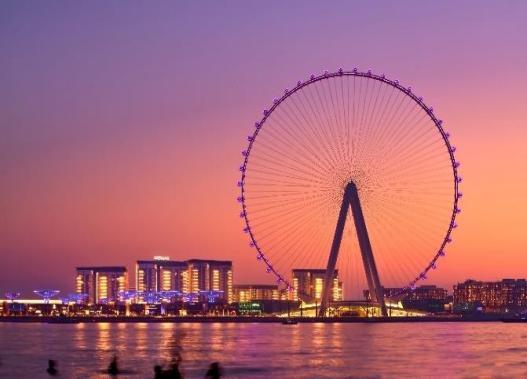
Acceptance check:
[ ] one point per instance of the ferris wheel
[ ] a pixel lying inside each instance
(350, 171)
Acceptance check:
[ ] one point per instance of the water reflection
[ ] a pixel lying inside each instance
(268, 350)
(103, 336)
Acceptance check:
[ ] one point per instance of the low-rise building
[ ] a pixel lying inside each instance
(424, 292)
(251, 292)
(504, 295)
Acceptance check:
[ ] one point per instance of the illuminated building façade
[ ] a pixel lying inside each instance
(308, 285)
(161, 274)
(251, 292)
(421, 293)
(494, 296)
(211, 276)
(195, 276)
(101, 284)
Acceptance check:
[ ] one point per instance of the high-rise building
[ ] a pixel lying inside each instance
(161, 274)
(211, 275)
(502, 295)
(251, 292)
(101, 284)
(85, 283)
(308, 285)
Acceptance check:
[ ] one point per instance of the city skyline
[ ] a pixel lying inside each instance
(138, 280)
(117, 147)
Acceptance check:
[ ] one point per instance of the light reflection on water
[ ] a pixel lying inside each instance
(269, 350)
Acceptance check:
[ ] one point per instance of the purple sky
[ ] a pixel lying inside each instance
(122, 122)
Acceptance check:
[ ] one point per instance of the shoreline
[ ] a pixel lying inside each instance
(245, 319)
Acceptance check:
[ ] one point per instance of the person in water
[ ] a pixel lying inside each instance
(214, 371)
(171, 373)
(158, 372)
(113, 368)
(52, 369)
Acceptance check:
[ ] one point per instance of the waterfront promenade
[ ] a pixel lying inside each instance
(246, 319)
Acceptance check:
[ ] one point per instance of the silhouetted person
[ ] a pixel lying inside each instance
(52, 370)
(158, 372)
(173, 372)
(113, 368)
(214, 371)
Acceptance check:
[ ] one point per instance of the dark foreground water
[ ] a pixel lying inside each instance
(439, 350)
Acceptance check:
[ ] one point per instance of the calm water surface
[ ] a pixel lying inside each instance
(438, 350)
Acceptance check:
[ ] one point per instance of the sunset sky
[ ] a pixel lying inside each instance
(122, 122)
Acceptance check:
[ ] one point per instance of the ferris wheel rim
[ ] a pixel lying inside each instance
(253, 243)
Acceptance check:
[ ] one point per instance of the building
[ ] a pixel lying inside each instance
(308, 285)
(424, 292)
(428, 292)
(504, 295)
(211, 275)
(161, 274)
(252, 292)
(101, 284)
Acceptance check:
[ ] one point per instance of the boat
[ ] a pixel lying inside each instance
(289, 321)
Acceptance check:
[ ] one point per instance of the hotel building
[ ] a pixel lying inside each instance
(498, 296)
(211, 275)
(308, 285)
(252, 292)
(101, 284)
(428, 292)
(424, 292)
(161, 274)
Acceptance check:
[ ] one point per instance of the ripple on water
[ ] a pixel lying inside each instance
(446, 350)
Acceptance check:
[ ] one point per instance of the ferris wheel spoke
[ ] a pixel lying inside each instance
(411, 142)
(395, 109)
(310, 120)
(282, 167)
(402, 217)
(431, 150)
(372, 113)
(264, 171)
(331, 117)
(286, 214)
(405, 114)
(310, 244)
(281, 203)
(289, 225)
(328, 123)
(387, 107)
(340, 124)
(419, 170)
(395, 233)
(274, 147)
(346, 109)
(366, 116)
(310, 100)
(384, 140)
(308, 148)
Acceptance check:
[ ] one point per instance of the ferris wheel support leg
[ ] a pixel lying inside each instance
(372, 275)
(333, 255)
(351, 198)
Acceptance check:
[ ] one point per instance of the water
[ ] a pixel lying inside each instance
(442, 350)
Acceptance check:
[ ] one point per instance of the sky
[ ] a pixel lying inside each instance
(121, 123)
